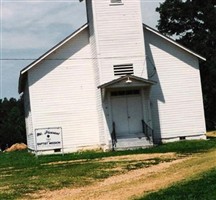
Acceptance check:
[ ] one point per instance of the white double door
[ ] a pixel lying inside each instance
(127, 114)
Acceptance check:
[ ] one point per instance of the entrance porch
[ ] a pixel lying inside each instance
(127, 110)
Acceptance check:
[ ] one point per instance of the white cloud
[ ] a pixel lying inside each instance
(29, 23)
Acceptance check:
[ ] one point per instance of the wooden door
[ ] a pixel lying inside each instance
(127, 114)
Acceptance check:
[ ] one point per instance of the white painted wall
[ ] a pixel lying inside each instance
(63, 93)
(63, 87)
(118, 36)
(95, 63)
(176, 99)
(28, 120)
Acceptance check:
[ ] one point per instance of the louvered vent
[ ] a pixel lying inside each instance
(120, 70)
(116, 1)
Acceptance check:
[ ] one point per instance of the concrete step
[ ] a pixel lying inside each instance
(133, 143)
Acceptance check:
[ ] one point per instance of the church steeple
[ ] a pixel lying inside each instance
(116, 29)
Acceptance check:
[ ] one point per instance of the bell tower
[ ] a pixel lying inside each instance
(116, 36)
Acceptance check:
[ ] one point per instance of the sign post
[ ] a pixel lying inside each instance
(48, 139)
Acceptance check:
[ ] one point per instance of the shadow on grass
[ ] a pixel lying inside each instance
(183, 147)
(23, 159)
(203, 188)
(23, 173)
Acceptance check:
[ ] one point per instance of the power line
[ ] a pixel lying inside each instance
(81, 58)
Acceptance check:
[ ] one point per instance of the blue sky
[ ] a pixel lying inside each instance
(30, 28)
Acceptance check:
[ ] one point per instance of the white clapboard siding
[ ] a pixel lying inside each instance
(28, 120)
(95, 62)
(63, 92)
(119, 37)
(177, 106)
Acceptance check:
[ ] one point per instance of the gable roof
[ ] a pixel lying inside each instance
(42, 57)
(172, 41)
(54, 48)
(127, 81)
(23, 76)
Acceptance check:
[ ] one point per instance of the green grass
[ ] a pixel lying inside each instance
(26, 173)
(200, 188)
(22, 173)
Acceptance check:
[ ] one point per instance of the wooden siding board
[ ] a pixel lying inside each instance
(173, 42)
(177, 98)
(125, 21)
(74, 103)
(28, 119)
(123, 47)
(63, 93)
(91, 12)
(110, 49)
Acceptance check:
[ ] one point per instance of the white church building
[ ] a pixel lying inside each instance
(114, 83)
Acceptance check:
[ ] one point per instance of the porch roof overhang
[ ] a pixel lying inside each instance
(127, 81)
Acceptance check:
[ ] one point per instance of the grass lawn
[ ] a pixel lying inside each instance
(202, 187)
(21, 173)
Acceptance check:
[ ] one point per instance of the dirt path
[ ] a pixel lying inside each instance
(137, 182)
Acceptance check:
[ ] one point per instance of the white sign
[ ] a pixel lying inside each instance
(48, 138)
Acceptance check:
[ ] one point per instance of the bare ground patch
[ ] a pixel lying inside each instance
(121, 158)
(137, 182)
(125, 175)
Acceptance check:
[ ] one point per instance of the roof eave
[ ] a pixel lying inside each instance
(53, 49)
(46, 54)
(173, 42)
(110, 83)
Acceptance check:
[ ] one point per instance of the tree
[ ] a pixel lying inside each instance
(193, 22)
(12, 122)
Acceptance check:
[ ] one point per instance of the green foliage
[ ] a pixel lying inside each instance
(203, 187)
(12, 122)
(194, 24)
